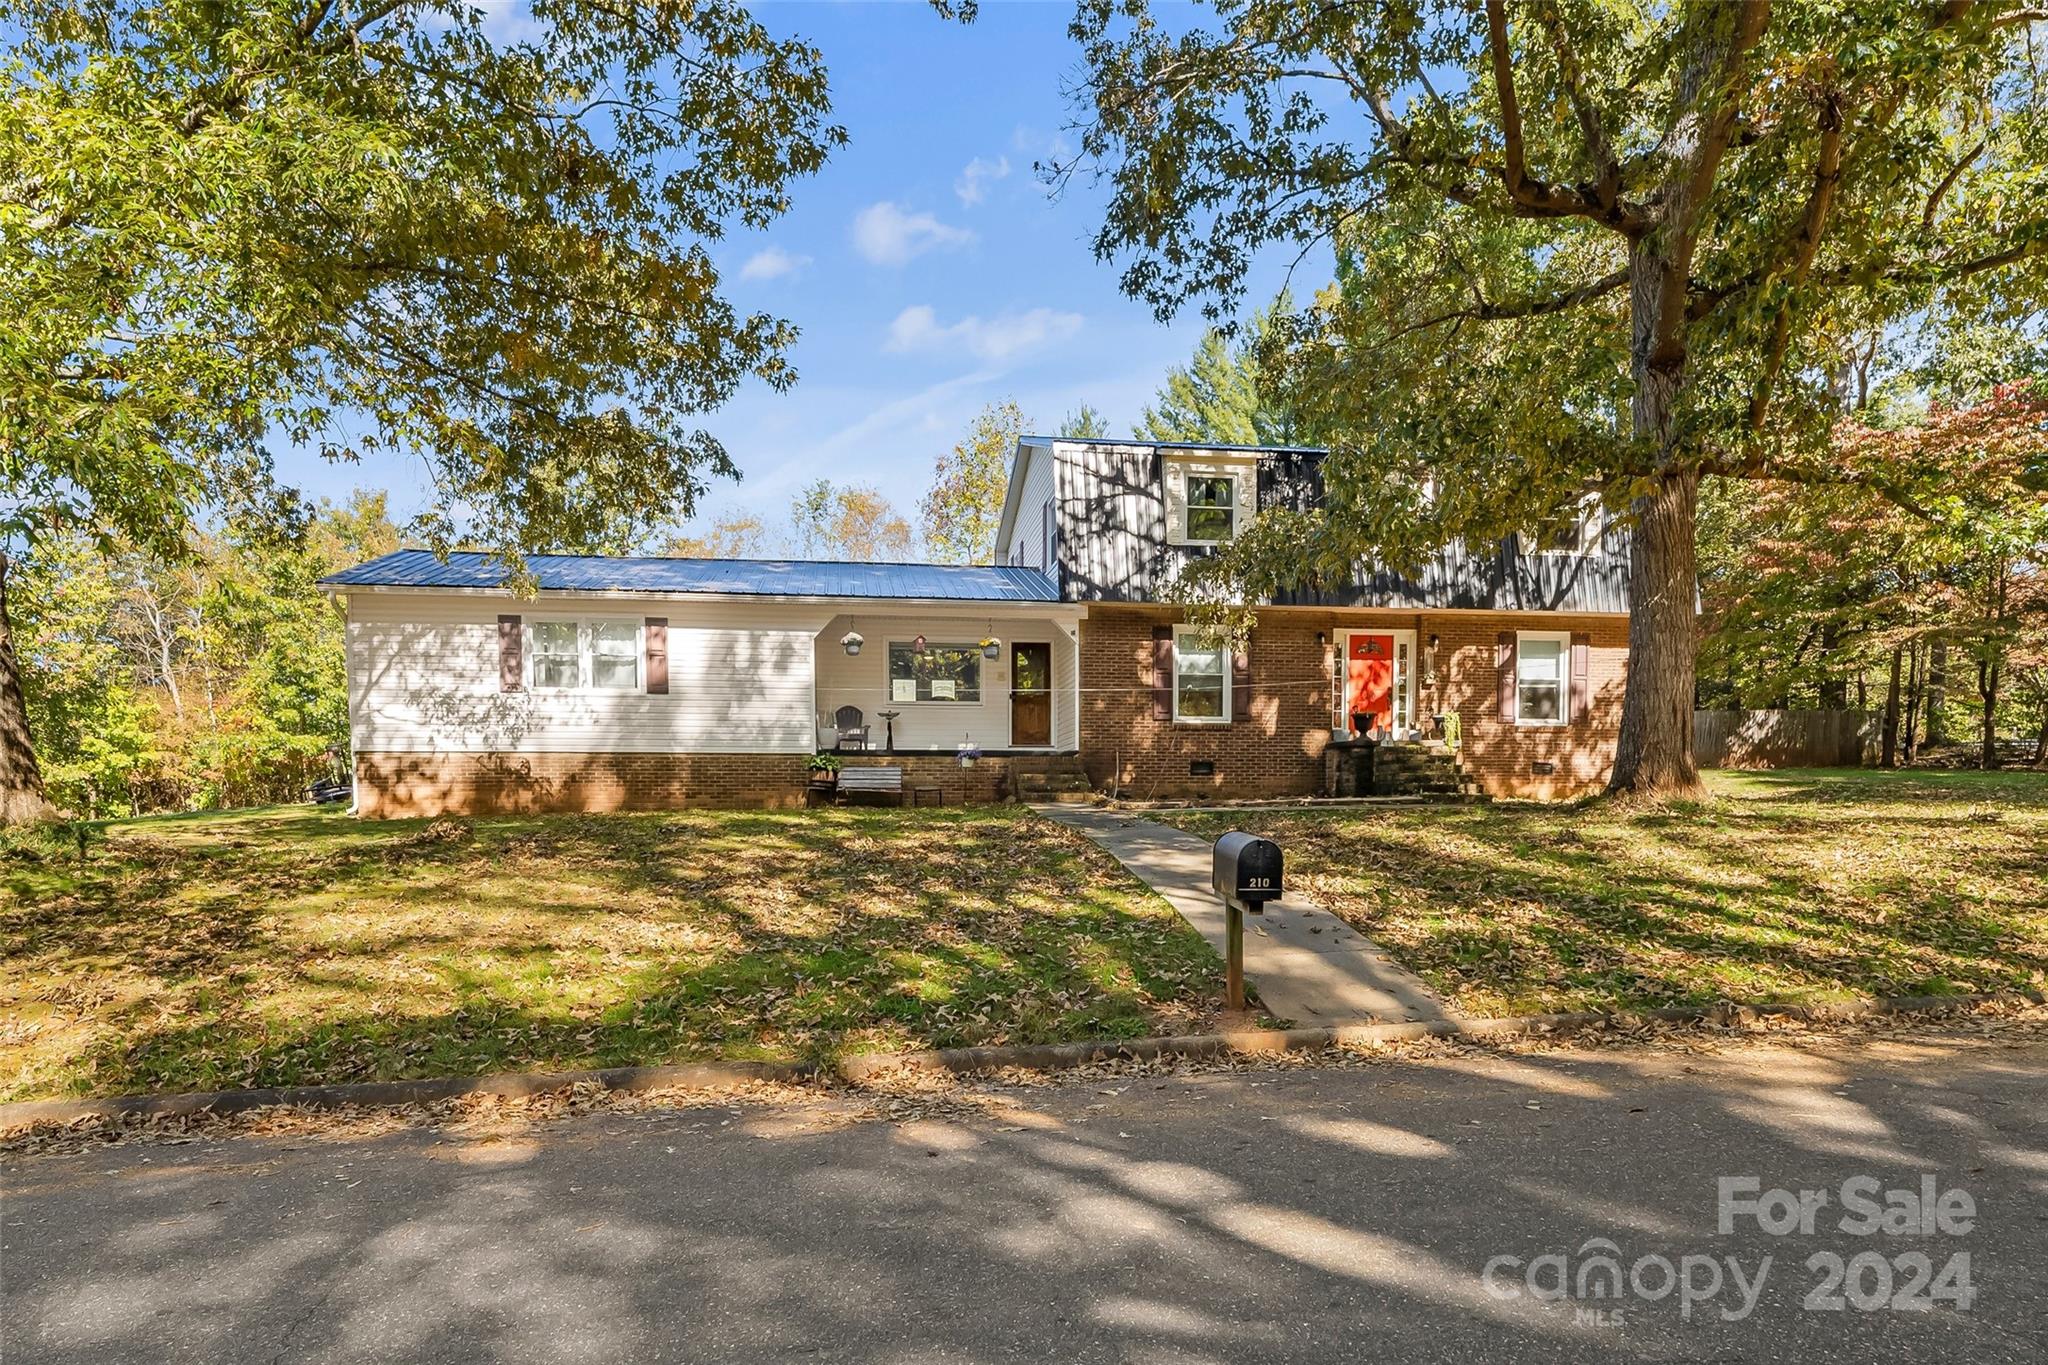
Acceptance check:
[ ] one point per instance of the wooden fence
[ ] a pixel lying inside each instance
(1783, 739)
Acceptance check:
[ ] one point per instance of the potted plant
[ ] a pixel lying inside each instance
(991, 648)
(969, 753)
(851, 642)
(825, 770)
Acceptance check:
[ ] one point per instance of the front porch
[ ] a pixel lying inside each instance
(931, 681)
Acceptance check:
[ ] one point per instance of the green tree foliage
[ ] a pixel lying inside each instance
(847, 522)
(1084, 424)
(1583, 248)
(217, 679)
(964, 505)
(357, 225)
(1225, 394)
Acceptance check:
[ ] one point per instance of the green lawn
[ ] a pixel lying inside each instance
(293, 945)
(1786, 886)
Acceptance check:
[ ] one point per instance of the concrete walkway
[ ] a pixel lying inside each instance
(1309, 966)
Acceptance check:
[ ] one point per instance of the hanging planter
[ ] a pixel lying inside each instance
(851, 642)
(991, 648)
(968, 754)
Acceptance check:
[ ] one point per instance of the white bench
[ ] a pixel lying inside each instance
(871, 781)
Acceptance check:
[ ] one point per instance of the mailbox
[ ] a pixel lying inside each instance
(1247, 871)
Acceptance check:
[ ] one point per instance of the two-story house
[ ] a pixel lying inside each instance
(647, 683)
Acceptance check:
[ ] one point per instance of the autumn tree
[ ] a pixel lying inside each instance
(965, 503)
(848, 522)
(737, 535)
(353, 225)
(1583, 248)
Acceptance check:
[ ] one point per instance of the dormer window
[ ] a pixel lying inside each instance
(1212, 507)
(1208, 500)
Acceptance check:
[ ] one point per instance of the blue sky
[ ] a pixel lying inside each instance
(928, 269)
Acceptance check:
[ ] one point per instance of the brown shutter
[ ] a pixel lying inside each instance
(510, 672)
(1241, 681)
(1582, 658)
(1162, 672)
(1504, 661)
(657, 655)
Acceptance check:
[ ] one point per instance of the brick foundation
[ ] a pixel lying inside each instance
(391, 786)
(1276, 747)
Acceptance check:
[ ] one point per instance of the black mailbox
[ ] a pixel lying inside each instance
(1247, 870)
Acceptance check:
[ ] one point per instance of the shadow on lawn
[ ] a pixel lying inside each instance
(1779, 898)
(292, 949)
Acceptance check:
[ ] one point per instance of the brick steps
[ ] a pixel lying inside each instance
(1055, 778)
(1419, 768)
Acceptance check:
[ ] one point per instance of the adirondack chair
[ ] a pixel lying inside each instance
(852, 728)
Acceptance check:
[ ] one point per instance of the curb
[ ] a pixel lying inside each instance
(962, 1061)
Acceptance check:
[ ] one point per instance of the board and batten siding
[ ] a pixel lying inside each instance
(423, 674)
(1117, 543)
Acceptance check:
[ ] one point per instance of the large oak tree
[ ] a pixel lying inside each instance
(1585, 248)
(346, 225)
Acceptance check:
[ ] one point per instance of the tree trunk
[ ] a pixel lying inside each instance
(2041, 742)
(1890, 758)
(1936, 730)
(1987, 688)
(1654, 754)
(21, 780)
(1912, 702)
(1833, 687)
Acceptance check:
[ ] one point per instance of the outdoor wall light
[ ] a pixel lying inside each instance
(1321, 639)
(1432, 642)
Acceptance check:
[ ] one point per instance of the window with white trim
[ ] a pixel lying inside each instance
(1201, 677)
(1212, 508)
(940, 673)
(1208, 501)
(1542, 674)
(615, 656)
(556, 655)
(601, 655)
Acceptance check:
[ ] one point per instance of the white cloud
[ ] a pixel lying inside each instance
(887, 235)
(977, 176)
(772, 263)
(994, 340)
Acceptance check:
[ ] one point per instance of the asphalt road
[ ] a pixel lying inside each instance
(1340, 1215)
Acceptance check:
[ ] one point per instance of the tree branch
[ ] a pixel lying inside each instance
(1827, 173)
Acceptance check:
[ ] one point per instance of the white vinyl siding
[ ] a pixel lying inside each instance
(424, 678)
(1036, 529)
(1542, 677)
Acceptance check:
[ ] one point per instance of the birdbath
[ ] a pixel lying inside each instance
(889, 730)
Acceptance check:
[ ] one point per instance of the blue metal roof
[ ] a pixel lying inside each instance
(731, 577)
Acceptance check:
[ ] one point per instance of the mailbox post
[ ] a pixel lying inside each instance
(1245, 871)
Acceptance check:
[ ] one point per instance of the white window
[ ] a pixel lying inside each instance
(1208, 501)
(603, 655)
(1542, 668)
(557, 654)
(1212, 507)
(615, 655)
(1201, 677)
(941, 673)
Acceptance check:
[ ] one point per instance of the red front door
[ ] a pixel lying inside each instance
(1369, 682)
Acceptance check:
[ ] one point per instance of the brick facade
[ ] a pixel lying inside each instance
(1274, 747)
(391, 786)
